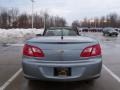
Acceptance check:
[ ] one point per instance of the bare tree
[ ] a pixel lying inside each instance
(14, 16)
(111, 20)
(4, 18)
(23, 21)
(10, 18)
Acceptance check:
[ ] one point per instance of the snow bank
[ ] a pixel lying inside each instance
(17, 35)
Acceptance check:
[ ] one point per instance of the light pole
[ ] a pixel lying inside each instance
(32, 13)
(91, 22)
(105, 21)
(95, 23)
(45, 20)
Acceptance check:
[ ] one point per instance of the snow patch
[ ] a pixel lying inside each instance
(17, 35)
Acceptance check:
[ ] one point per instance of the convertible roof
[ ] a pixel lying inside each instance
(54, 28)
(70, 28)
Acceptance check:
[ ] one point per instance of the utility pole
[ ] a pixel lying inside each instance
(95, 23)
(45, 20)
(32, 13)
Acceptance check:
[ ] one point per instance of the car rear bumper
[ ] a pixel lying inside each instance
(80, 70)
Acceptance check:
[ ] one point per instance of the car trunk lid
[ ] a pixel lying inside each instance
(66, 49)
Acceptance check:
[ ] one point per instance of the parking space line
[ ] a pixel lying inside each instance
(5, 48)
(111, 73)
(12, 45)
(4, 86)
(11, 79)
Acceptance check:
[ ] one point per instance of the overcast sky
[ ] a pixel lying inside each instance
(69, 9)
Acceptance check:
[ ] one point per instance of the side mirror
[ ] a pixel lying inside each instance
(38, 35)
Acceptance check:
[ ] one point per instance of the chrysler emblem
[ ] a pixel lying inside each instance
(61, 51)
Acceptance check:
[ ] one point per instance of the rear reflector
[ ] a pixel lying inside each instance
(94, 50)
(33, 51)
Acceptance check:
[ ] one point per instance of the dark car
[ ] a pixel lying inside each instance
(117, 29)
(110, 32)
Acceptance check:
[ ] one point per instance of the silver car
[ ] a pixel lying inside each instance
(61, 54)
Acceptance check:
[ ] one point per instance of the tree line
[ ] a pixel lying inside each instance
(12, 18)
(111, 20)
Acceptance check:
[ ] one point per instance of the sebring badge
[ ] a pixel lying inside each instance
(60, 51)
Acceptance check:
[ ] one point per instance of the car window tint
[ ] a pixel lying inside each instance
(58, 32)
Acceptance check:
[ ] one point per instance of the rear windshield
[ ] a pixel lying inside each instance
(112, 30)
(60, 32)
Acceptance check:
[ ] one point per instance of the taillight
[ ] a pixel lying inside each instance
(33, 51)
(94, 50)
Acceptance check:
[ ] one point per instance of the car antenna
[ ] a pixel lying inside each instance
(62, 34)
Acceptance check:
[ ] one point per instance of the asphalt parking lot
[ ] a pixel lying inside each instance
(11, 76)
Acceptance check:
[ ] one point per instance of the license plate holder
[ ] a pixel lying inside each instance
(62, 71)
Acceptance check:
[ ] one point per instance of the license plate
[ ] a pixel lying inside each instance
(62, 71)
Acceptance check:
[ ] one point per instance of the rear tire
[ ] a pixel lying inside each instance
(110, 34)
(30, 80)
(92, 80)
(103, 34)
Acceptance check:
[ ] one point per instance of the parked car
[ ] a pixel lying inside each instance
(110, 32)
(117, 29)
(61, 54)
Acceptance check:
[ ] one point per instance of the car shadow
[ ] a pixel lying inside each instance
(40, 85)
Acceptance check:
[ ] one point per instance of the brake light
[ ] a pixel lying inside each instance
(33, 51)
(94, 50)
